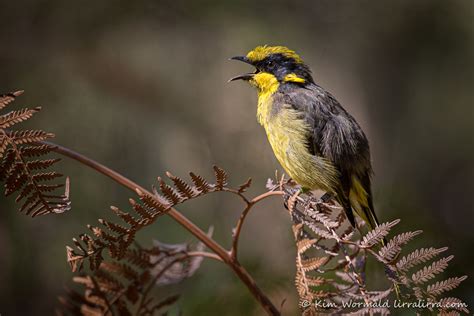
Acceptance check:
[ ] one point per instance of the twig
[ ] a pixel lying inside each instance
(205, 254)
(243, 216)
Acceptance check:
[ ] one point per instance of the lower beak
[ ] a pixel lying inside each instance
(245, 77)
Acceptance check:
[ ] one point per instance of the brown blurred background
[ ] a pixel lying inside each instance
(142, 87)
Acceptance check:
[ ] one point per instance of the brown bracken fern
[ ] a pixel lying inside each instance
(124, 287)
(229, 257)
(22, 170)
(116, 238)
(331, 259)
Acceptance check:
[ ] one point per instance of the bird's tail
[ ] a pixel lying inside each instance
(369, 213)
(365, 209)
(360, 197)
(359, 201)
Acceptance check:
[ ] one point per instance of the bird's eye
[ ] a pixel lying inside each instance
(270, 64)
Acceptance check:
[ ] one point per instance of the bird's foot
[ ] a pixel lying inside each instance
(326, 197)
(304, 190)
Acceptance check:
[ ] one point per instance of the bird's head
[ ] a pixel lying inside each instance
(274, 65)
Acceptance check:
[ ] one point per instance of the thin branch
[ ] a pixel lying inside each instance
(182, 220)
(243, 216)
(266, 195)
(239, 194)
(205, 254)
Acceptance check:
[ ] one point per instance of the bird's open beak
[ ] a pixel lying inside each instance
(245, 77)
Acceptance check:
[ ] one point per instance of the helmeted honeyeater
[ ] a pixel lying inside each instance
(316, 141)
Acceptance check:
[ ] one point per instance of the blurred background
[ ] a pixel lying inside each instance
(142, 87)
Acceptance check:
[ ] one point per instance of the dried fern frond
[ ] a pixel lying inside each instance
(124, 287)
(376, 235)
(440, 287)
(21, 172)
(431, 271)
(418, 256)
(116, 238)
(389, 252)
(331, 256)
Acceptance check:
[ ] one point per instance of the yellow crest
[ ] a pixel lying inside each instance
(262, 52)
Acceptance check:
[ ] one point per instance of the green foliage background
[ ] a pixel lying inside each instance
(142, 87)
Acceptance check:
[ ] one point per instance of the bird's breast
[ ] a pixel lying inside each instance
(288, 134)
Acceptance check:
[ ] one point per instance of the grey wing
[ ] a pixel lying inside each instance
(335, 133)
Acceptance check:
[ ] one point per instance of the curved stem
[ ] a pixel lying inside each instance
(205, 254)
(182, 220)
(266, 195)
(243, 216)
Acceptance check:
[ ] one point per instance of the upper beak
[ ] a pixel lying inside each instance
(242, 59)
(245, 77)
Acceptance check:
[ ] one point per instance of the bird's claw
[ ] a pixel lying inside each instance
(326, 197)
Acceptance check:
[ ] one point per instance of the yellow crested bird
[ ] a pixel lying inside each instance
(316, 141)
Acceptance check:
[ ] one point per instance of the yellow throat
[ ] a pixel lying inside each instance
(266, 84)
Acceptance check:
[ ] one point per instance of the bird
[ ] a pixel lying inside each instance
(316, 141)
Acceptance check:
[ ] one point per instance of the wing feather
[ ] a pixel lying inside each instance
(336, 136)
(335, 133)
